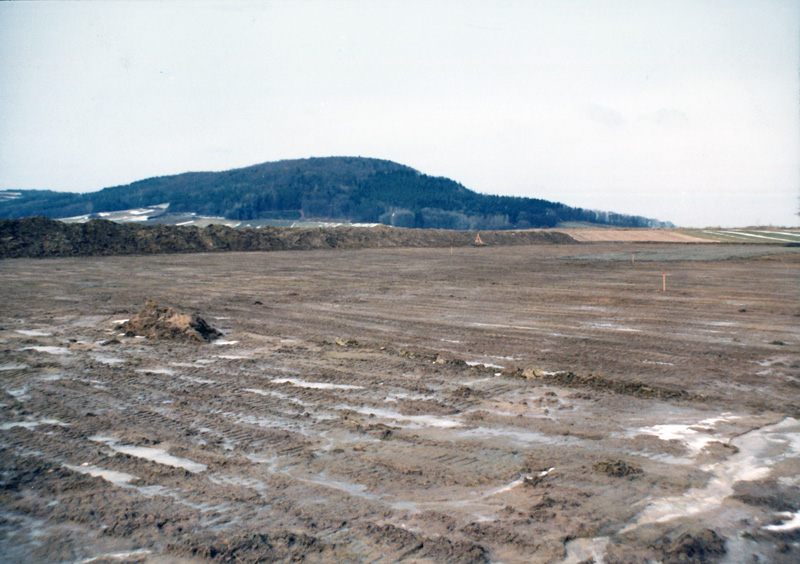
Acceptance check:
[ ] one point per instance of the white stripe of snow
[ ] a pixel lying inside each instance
(753, 235)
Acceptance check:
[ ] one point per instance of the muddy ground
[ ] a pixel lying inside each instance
(518, 404)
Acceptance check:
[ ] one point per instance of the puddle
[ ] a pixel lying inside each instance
(759, 451)
(507, 487)
(694, 436)
(31, 424)
(232, 357)
(164, 371)
(519, 437)
(107, 359)
(485, 364)
(197, 380)
(611, 326)
(523, 327)
(350, 488)
(157, 455)
(51, 377)
(290, 423)
(224, 342)
(585, 550)
(280, 395)
(116, 556)
(13, 367)
(316, 385)
(414, 420)
(33, 333)
(112, 476)
(20, 394)
(49, 350)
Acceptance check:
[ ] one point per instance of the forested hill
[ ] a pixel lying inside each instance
(355, 189)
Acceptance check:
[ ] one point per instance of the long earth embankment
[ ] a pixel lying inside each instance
(38, 237)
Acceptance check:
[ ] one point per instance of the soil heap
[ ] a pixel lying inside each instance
(162, 322)
(38, 237)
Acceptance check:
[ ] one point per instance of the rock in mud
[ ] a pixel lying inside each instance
(163, 322)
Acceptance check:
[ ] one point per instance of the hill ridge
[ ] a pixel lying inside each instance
(353, 189)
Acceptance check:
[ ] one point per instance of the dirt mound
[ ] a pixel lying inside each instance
(601, 383)
(37, 237)
(161, 322)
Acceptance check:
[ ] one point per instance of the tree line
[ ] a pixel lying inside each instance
(335, 188)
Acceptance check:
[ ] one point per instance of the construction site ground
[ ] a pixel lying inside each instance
(607, 402)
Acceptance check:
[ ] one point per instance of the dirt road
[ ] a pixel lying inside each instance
(517, 404)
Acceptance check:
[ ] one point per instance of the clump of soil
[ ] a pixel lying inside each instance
(597, 382)
(43, 237)
(163, 322)
(251, 548)
(703, 546)
(424, 548)
(617, 468)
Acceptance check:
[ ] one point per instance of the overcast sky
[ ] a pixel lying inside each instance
(683, 111)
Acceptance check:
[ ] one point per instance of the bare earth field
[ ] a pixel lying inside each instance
(631, 236)
(538, 404)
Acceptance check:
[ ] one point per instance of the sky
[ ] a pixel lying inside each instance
(684, 111)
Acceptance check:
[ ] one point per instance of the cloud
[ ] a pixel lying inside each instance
(670, 117)
(606, 116)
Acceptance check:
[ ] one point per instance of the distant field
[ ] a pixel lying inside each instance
(747, 235)
(612, 235)
(631, 236)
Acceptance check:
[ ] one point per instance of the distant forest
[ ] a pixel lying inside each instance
(353, 189)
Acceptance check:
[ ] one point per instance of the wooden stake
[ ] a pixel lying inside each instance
(633, 258)
(664, 286)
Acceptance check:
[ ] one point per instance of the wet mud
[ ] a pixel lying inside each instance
(480, 405)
